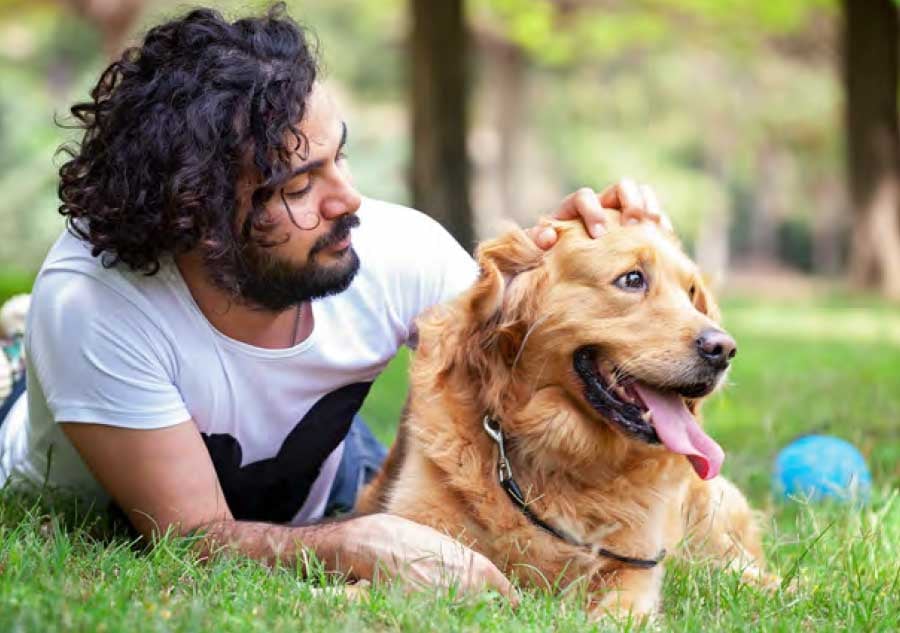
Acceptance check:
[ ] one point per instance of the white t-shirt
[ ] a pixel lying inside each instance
(115, 347)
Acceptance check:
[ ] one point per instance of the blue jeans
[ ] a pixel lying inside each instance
(12, 350)
(7, 404)
(363, 456)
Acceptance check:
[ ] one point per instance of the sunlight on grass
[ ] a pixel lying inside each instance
(823, 325)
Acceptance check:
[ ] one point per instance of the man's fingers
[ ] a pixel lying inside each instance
(471, 572)
(495, 579)
(637, 203)
(481, 573)
(623, 195)
(654, 208)
(543, 234)
(568, 209)
(633, 204)
(585, 205)
(546, 237)
(647, 207)
(609, 197)
(651, 203)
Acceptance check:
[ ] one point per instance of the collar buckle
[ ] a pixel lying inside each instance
(493, 430)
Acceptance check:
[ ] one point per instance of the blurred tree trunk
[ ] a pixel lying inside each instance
(511, 89)
(113, 18)
(440, 168)
(873, 141)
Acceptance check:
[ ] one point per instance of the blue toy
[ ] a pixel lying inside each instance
(821, 467)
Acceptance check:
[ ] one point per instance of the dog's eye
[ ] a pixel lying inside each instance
(632, 281)
(692, 292)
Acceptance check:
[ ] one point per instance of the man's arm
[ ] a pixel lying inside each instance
(164, 479)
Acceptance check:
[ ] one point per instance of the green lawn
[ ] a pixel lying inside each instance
(801, 367)
(13, 282)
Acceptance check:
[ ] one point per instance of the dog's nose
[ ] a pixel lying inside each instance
(716, 348)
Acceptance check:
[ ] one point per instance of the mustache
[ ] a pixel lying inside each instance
(339, 232)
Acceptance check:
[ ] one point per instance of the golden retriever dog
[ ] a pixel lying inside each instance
(553, 421)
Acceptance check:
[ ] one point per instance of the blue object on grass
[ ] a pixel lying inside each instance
(822, 467)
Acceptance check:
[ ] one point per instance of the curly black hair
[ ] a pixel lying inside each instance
(171, 126)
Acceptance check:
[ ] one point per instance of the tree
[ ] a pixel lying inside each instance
(440, 167)
(113, 18)
(873, 141)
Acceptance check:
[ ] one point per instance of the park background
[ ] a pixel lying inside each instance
(769, 129)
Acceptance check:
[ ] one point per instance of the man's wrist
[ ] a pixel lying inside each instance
(270, 543)
(328, 541)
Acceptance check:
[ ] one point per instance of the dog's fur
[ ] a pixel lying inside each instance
(505, 347)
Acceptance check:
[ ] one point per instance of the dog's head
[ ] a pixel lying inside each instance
(621, 327)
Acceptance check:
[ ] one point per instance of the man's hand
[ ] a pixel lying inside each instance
(637, 203)
(369, 546)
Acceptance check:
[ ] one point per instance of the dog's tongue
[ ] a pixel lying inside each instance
(680, 432)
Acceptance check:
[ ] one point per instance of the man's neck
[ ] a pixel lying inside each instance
(260, 328)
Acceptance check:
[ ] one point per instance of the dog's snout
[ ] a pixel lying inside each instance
(716, 347)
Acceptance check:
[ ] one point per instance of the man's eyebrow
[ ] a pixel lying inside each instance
(302, 169)
(343, 136)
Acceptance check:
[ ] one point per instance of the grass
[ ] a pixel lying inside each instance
(802, 367)
(13, 282)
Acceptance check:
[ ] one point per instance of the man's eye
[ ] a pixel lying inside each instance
(632, 281)
(299, 193)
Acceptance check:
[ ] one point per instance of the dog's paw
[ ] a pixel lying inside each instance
(622, 606)
(761, 579)
(353, 592)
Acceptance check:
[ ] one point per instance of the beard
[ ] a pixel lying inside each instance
(261, 279)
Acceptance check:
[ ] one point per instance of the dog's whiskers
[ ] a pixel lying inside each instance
(521, 349)
(623, 370)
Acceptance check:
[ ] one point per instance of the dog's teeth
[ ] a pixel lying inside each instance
(647, 416)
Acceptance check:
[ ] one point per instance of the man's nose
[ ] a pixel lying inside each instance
(716, 348)
(345, 199)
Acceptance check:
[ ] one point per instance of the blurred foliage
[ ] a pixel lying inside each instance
(44, 59)
(730, 108)
(693, 96)
(563, 32)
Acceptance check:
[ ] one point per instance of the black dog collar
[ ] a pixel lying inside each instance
(508, 483)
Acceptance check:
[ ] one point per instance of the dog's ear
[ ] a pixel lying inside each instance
(476, 338)
(703, 300)
(498, 302)
(500, 261)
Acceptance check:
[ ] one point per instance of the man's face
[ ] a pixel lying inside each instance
(315, 210)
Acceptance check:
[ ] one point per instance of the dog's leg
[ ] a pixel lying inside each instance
(373, 498)
(634, 593)
(721, 527)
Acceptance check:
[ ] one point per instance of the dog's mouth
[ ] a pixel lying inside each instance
(648, 413)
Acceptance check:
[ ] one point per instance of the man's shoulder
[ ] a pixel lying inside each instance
(71, 257)
(392, 235)
(72, 278)
(389, 219)
(410, 257)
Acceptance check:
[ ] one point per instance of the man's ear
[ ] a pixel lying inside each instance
(704, 302)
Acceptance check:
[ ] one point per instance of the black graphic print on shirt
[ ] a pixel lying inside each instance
(274, 489)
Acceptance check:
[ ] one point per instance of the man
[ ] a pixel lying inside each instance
(202, 337)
